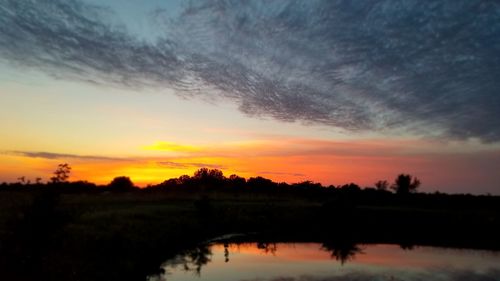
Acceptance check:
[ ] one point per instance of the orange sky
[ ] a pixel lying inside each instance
(151, 137)
(290, 160)
(157, 89)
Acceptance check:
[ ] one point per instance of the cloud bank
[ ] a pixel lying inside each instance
(428, 68)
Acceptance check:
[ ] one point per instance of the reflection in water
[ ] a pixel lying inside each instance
(226, 252)
(190, 261)
(268, 248)
(342, 252)
(328, 262)
(197, 257)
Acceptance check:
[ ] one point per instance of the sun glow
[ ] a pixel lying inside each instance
(171, 147)
(282, 160)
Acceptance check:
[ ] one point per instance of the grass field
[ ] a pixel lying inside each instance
(125, 236)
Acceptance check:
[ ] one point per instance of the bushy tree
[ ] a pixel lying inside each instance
(405, 184)
(210, 178)
(121, 184)
(205, 174)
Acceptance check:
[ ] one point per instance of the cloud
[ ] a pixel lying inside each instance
(172, 147)
(184, 165)
(281, 174)
(426, 68)
(74, 40)
(50, 156)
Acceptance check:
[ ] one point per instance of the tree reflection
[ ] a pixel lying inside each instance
(226, 252)
(342, 251)
(195, 259)
(268, 248)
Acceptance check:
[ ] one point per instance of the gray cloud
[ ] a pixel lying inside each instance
(429, 68)
(73, 40)
(50, 155)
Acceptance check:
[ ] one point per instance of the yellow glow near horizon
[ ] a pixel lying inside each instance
(171, 147)
(290, 160)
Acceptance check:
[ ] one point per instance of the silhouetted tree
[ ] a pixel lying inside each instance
(351, 187)
(382, 185)
(260, 183)
(82, 186)
(121, 184)
(206, 174)
(283, 186)
(209, 177)
(236, 182)
(170, 183)
(22, 179)
(185, 180)
(405, 184)
(61, 174)
(307, 185)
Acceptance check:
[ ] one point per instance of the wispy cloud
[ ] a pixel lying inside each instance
(50, 155)
(281, 174)
(430, 68)
(186, 165)
(171, 147)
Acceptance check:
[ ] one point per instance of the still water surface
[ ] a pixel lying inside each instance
(323, 262)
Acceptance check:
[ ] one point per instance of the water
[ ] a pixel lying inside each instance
(327, 262)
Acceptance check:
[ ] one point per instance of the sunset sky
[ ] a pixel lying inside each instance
(330, 91)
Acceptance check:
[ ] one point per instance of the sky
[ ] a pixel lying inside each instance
(330, 91)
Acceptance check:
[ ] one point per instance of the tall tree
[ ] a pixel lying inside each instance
(61, 174)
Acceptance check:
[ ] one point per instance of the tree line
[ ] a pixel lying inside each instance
(206, 179)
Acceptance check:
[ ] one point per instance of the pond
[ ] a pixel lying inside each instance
(328, 262)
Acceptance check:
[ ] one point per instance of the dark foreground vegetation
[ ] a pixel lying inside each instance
(79, 231)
